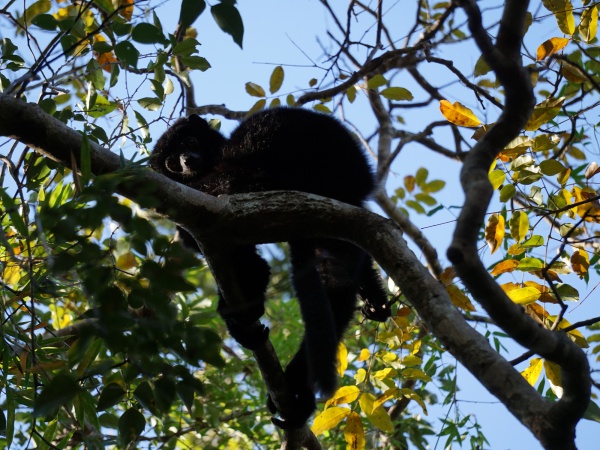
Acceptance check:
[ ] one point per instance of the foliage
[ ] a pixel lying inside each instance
(110, 336)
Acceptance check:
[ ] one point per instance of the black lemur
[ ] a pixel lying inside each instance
(286, 149)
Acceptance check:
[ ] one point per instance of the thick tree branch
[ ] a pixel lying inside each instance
(555, 428)
(282, 216)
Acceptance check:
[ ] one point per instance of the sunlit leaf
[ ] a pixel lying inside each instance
(354, 434)
(532, 373)
(497, 177)
(563, 12)
(550, 47)
(378, 416)
(494, 231)
(345, 394)
(529, 264)
(519, 225)
(458, 114)
(580, 261)
(521, 296)
(554, 377)
(588, 26)
(329, 419)
(544, 113)
(508, 265)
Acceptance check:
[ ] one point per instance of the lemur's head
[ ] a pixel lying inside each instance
(188, 149)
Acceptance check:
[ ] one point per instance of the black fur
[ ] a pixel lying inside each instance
(286, 149)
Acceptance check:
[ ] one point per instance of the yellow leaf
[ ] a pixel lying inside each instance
(414, 396)
(345, 394)
(126, 261)
(447, 276)
(519, 226)
(550, 47)
(589, 24)
(532, 373)
(276, 79)
(387, 395)
(354, 432)
(364, 355)
(388, 372)
(544, 113)
(126, 9)
(254, 89)
(361, 375)
(563, 12)
(496, 177)
(458, 114)
(459, 299)
(524, 296)
(508, 265)
(329, 419)
(553, 375)
(580, 261)
(378, 416)
(342, 359)
(494, 231)
(12, 274)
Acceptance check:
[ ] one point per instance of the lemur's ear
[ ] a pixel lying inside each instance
(198, 121)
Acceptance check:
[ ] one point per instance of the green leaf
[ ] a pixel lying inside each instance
(131, 425)
(481, 67)
(567, 292)
(112, 394)
(351, 94)
(186, 47)
(58, 392)
(376, 82)
(533, 241)
(276, 79)
(507, 192)
(146, 33)
(592, 412)
(127, 53)
(45, 22)
(190, 11)
(397, 93)
(551, 167)
(86, 158)
(433, 186)
(196, 62)
(421, 176)
(416, 206)
(150, 103)
(528, 264)
(229, 20)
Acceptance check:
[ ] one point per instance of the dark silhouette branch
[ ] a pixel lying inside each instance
(554, 423)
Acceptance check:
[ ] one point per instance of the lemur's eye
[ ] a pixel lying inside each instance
(189, 143)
